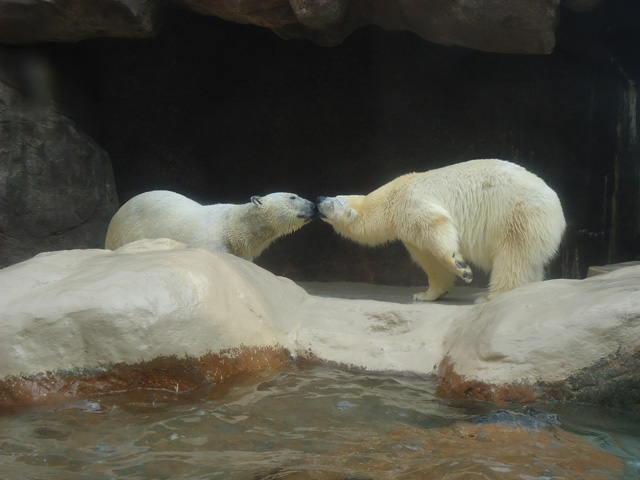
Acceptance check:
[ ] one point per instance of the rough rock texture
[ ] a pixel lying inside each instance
(513, 26)
(523, 26)
(56, 184)
(32, 21)
(66, 315)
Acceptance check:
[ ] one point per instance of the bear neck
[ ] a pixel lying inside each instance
(373, 225)
(252, 232)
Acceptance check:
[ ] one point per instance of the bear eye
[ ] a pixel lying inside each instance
(292, 197)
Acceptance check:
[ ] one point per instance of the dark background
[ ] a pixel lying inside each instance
(220, 111)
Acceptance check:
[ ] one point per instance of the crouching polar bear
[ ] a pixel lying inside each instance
(242, 230)
(495, 214)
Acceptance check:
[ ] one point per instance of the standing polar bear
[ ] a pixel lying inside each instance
(242, 230)
(495, 214)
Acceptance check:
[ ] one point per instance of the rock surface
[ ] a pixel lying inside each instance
(56, 184)
(33, 21)
(556, 339)
(515, 26)
(73, 313)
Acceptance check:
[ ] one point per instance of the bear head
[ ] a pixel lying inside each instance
(340, 212)
(286, 211)
(357, 217)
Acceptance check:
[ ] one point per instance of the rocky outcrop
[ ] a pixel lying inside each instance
(56, 184)
(158, 315)
(562, 339)
(524, 26)
(517, 26)
(73, 20)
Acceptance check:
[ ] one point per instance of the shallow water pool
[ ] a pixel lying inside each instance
(309, 421)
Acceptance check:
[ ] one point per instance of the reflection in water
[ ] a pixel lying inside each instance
(314, 422)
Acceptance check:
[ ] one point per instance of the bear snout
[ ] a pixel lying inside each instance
(319, 202)
(311, 212)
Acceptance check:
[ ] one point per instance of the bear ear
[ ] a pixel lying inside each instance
(257, 200)
(352, 214)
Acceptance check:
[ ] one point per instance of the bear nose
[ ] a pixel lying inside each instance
(320, 199)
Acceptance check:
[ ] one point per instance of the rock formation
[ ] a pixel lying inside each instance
(156, 314)
(73, 20)
(56, 184)
(517, 26)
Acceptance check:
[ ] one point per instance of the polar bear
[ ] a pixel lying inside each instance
(493, 213)
(243, 230)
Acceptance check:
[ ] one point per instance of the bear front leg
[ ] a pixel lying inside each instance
(435, 232)
(440, 279)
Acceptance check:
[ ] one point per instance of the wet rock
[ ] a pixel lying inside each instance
(169, 374)
(57, 189)
(27, 22)
(612, 382)
(529, 420)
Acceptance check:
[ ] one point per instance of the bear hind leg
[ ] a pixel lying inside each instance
(440, 278)
(520, 254)
(510, 271)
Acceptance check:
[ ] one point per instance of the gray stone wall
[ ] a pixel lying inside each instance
(56, 184)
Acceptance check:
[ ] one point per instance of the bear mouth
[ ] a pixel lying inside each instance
(308, 216)
(311, 213)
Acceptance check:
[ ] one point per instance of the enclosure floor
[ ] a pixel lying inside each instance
(460, 295)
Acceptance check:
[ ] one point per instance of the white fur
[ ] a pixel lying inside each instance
(495, 214)
(242, 230)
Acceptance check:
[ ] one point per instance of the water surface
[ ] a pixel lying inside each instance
(310, 421)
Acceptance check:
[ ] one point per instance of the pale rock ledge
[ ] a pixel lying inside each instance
(181, 317)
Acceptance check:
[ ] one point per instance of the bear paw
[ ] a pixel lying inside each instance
(463, 271)
(430, 295)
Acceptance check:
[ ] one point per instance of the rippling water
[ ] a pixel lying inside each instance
(315, 422)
